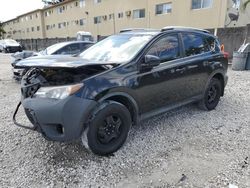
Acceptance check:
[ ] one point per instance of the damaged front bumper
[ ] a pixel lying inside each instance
(58, 120)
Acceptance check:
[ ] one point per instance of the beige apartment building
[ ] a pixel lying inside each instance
(106, 17)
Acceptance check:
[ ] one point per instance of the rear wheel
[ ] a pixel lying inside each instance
(108, 128)
(212, 95)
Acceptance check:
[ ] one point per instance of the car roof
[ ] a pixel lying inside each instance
(146, 31)
(75, 42)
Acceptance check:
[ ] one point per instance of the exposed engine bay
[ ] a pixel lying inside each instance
(34, 78)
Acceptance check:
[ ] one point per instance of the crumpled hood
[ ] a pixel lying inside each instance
(56, 61)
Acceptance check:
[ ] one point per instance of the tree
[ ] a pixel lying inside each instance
(245, 4)
(2, 32)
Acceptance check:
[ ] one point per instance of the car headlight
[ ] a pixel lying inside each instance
(58, 92)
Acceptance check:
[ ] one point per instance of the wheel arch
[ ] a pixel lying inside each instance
(127, 101)
(220, 77)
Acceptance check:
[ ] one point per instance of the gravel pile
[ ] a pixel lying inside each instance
(185, 147)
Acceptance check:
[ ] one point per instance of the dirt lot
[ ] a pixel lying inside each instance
(186, 147)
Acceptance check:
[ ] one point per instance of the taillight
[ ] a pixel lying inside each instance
(226, 54)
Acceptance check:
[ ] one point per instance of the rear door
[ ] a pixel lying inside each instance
(197, 56)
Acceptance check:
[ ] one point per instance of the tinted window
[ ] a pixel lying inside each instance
(166, 48)
(74, 48)
(194, 44)
(84, 46)
(69, 49)
(213, 44)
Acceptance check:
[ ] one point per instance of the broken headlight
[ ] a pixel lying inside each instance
(58, 92)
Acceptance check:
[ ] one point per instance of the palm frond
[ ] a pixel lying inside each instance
(245, 4)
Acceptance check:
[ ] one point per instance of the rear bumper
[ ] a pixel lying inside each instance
(59, 120)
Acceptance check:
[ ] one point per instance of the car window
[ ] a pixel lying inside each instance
(194, 44)
(213, 44)
(84, 46)
(69, 49)
(64, 50)
(167, 48)
(74, 48)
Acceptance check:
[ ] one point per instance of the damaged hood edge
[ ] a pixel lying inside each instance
(57, 61)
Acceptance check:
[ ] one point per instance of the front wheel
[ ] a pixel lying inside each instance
(212, 95)
(107, 129)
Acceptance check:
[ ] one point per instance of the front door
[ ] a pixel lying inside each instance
(163, 85)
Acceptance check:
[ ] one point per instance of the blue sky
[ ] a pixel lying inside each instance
(11, 8)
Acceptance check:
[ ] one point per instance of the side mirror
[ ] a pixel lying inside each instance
(150, 61)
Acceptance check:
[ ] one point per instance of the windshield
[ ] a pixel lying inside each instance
(116, 48)
(51, 49)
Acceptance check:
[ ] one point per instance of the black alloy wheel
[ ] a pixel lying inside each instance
(212, 95)
(107, 129)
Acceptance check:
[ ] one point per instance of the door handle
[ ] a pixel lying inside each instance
(180, 69)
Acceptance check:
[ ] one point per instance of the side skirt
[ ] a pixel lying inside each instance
(162, 110)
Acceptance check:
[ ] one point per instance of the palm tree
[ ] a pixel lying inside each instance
(244, 8)
(245, 4)
(2, 32)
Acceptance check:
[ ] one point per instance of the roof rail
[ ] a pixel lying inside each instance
(139, 30)
(183, 28)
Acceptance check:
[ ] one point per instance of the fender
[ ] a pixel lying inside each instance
(127, 96)
(218, 71)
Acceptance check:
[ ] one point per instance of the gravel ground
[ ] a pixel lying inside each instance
(185, 147)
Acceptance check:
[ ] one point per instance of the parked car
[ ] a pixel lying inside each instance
(63, 48)
(10, 46)
(119, 81)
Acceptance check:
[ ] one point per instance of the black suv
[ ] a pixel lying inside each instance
(119, 81)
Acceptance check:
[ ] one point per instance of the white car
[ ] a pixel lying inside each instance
(10, 46)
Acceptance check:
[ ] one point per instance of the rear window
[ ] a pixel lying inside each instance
(194, 44)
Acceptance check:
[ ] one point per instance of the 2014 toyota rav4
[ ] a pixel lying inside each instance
(120, 81)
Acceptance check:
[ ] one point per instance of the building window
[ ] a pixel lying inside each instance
(28, 30)
(36, 15)
(120, 15)
(97, 1)
(32, 29)
(61, 9)
(47, 27)
(163, 8)
(31, 17)
(82, 21)
(97, 19)
(199, 4)
(38, 28)
(140, 13)
(27, 18)
(76, 4)
(111, 16)
(61, 25)
(82, 3)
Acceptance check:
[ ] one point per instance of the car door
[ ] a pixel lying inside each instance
(163, 85)
(197, 56)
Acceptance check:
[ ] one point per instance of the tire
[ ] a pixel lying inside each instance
(107, 129)
(212, 95)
